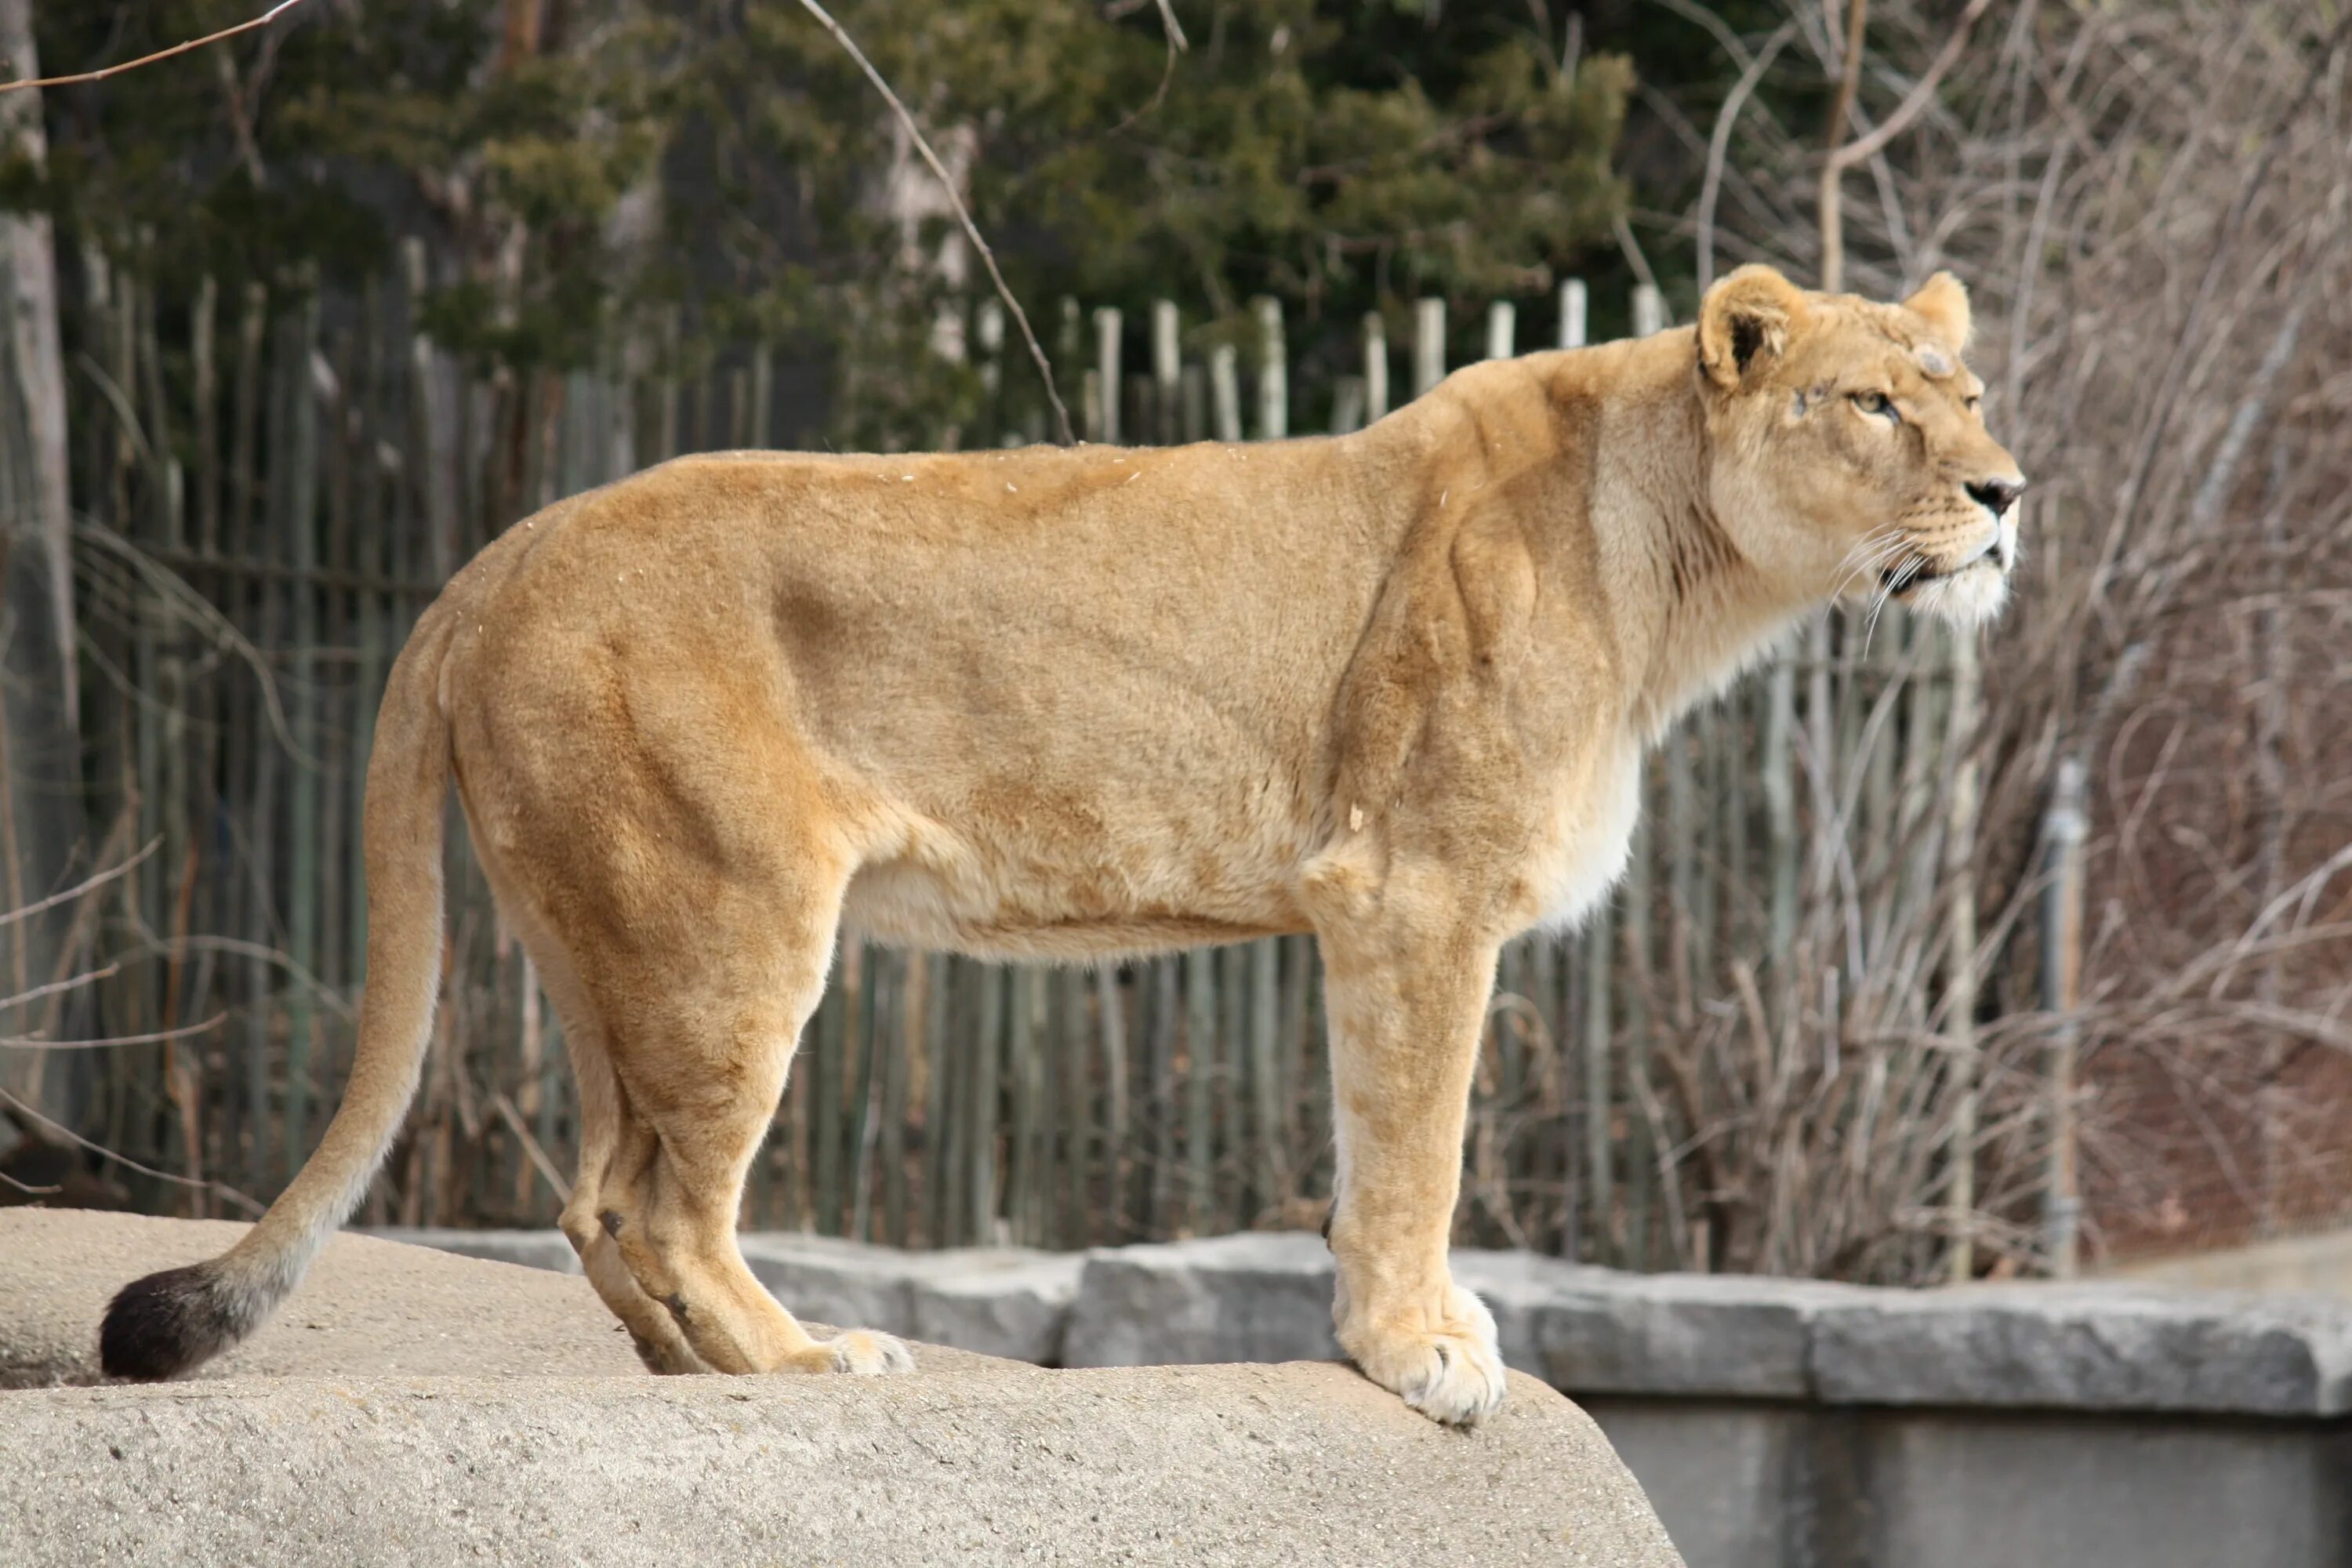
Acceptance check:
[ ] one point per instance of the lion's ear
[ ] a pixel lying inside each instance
(1745, 319)
(1942, 303)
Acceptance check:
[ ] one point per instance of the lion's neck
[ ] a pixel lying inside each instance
(1688, 612)
(1614, 436)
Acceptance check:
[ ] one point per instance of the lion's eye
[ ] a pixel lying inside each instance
(1976, 405)
(1876, 403)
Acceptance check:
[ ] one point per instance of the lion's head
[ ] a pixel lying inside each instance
(1850, 449)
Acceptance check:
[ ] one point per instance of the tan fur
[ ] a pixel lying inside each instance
(1390, 688)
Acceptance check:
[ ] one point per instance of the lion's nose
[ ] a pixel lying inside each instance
(1997, 495)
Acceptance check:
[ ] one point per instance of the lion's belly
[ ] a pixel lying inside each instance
(1003, 896)
(1582, 848)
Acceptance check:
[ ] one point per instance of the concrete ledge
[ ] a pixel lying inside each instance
(2086, 1347)
(1255, 1297)
(547, 1249)
(1003, 1303)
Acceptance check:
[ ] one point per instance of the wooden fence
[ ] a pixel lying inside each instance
(270, 488)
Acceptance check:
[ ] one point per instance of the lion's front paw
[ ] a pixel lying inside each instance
(863, 1352)
(1449, 1371)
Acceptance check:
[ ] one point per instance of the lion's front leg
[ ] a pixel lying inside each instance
(1407, 1000)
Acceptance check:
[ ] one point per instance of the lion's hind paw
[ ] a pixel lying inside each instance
(864, 1352)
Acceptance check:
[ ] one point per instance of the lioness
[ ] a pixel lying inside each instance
(1391, 688)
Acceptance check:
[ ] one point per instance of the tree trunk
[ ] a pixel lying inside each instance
(40, 773)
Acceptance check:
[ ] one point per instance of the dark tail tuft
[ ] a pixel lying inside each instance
(161, 1326)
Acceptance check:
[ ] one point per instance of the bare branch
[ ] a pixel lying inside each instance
(70, 894)
(1923, 91)
(1829, 204)
(1719, 144)
(1177, 44)
(102, 1151)
(104, 72)
(55, 986)
(955, 200)
(30, 1043)
(537, 1156)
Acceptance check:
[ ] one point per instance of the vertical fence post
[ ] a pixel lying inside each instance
(1274, 371)
(1166, 1027)
(1110, 1017)
(1376, 366)
(1347, 403)
(1573, 302)
(1107, 345)
(948, 1071)
(984, 1110)
(1225, 391)
(1960, 955)
(2061, 970)
(1265, 1077)
(1649, 310)
(1502, 329)
(1600, 1194)
(1200, 1067)
(1428, 344)
(1167, 371)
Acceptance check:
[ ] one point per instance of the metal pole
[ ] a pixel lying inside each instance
(2062, 974)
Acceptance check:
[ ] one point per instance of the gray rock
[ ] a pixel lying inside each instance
(526, 1249)
(1600, 1330)
(837, 1281)
(1000, 1301)
(2086, 1347)
(1260, 1295)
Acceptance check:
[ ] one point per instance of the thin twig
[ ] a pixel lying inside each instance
(53, 986)
(174, 590)
(1177, 45)
(31, 1042)
(537, 1156)
(1922, 92)
(70, 894)
(100, 1150)
(1829, 204)
(955, 201)
(104, 72)
(1719, 144)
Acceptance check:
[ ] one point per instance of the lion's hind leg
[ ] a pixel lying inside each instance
(615, 1145)
(615, 1150)
(674, 1231)
(701, 1063)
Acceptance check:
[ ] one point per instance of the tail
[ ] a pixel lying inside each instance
(166, 1323)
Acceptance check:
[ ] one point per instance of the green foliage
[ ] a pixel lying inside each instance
(1344, 155)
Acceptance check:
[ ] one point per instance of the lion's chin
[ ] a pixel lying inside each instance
(1972, 596)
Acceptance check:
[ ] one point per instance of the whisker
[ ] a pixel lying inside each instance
(1884, 550)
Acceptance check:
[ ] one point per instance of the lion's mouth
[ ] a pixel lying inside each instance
(1915, 572)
